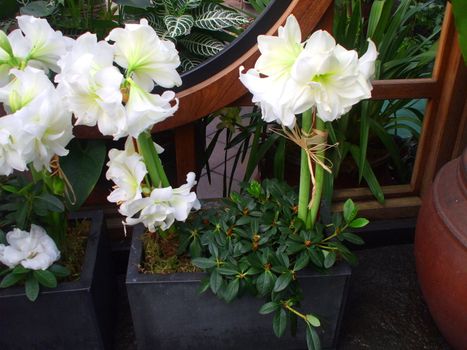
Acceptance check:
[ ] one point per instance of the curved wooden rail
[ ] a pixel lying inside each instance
(222, 87)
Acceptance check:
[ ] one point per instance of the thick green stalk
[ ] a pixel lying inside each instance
(160, 169)
(319, 179)
(152, 160)
(305, 177)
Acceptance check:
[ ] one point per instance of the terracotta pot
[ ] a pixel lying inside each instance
(441, 251)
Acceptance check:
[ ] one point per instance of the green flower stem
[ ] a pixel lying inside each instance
(160, 169)
(152, 160)
(305, 177)
(319, 179)
(294, 311)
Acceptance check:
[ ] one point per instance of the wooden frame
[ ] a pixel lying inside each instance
(444, 131)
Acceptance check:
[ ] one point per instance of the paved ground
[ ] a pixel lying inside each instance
(385, 309)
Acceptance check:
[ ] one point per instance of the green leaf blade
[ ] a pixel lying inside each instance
(46, 278)
(31, 288)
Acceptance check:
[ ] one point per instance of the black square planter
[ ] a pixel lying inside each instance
(75, 315)
(169, 313)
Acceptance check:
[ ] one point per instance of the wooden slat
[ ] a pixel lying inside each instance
(363, 193)
(405, 88)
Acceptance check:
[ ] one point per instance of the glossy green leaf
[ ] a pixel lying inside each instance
(232, 290)
(312, 339)
(352, 238)
(10, 280)
(301, 262)
(350, 210)
(265, 282)
(59, 270)
(215, 281)
(52, 202)
(282, 282)
(269, 307)
(82, 167)
(195, 248)
(329, 259)
(313, 320)
(203, 263)
(31, 288)
(279, 322)
(46, 278)
(20, 270)
(359, 222)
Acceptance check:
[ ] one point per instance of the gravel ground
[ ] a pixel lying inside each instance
(385, 309)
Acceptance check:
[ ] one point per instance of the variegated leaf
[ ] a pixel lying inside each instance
(189, 62)
(215, 20)
(178, 26)
(201, 44)
(206, 7)
(171, 6)
(189, 4)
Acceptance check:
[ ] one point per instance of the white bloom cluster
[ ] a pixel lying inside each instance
(37, 125)
(96, 91)
(33, 250)
(291, 77)
(163, 205)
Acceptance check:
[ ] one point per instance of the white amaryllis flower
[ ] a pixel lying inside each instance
(144, 109)
(183, 201)
(33, 250)
(164, 206)
(127, 170)
(36, 42)
(91, 85)
(145, 56)
(6, 55)
(12, 144)
(45, 124)
(289, 79)
(154, 211)
(279, 96)
(26, 85)
(336, 78)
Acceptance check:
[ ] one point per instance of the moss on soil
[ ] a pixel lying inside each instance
(160, 255)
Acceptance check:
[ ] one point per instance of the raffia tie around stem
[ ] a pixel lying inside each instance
(57, 171)
(312, 143)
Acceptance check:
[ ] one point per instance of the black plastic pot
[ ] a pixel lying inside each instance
(169, 313)
(75, 315)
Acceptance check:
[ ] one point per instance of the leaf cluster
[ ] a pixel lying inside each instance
(23, 202)
(199, 28)
(32, 279)
(256, 244)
